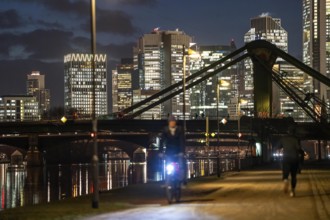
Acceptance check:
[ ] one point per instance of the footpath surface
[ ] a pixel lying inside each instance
(246, 195)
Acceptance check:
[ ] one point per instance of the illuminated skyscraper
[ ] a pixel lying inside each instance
(316, 43)
(114, 90)
(78, 84)
(158, 58)
(35, 86)
(122, 85)
(204, 95)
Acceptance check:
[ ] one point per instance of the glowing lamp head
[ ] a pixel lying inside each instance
(63, 119)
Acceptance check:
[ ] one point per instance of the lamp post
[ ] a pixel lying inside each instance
(239, 135)
(219, 83)
(185, 54)
(218, 130)
(95, 159)
(184, 92)
(218, 119)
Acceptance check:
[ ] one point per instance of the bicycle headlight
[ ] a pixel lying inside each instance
(169, 169)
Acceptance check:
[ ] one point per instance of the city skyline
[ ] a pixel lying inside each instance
(24, 27)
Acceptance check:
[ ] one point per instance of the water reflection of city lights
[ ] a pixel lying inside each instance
(55, 182)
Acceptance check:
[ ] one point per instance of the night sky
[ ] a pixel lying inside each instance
(36, 34)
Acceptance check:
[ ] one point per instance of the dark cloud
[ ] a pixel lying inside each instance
(112, 21)
(80, 7)
(54, 44)
(81, 44)
(7, 40)
(117, 51)
(114, 51)
(50, 25)
(10, 19)
(139, 2)
(38, 44)
(47, 44)
(66, 6)
(108, 21)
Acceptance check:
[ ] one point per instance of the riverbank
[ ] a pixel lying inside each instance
(129, 197)
(254, 194)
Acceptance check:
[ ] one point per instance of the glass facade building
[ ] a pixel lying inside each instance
(35, 86)
(204, 95)
(158, 59)
(316, 43)
(78, 85)
(122, 85)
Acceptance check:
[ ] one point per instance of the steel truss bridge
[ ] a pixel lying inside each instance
(263, 55)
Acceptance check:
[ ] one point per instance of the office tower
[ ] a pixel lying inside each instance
(35, 86)
(19, 108)
(270, 29)
(262, 28)
(204, 95)
(78, 85)
(114, 90)
(158, 59)
(122, 85)
(287, 107)
(316, 43)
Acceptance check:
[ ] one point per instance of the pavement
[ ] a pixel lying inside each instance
(256, 194)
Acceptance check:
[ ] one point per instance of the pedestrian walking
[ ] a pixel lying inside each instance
(291, 149)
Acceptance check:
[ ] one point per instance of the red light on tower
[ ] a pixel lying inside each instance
(92, 134)
(239, 135)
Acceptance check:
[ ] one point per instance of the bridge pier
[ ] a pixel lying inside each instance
(34, 156)
(261, 56)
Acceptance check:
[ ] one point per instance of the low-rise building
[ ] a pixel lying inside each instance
(19, 108)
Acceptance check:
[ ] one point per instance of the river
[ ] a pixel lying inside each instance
(34, 185)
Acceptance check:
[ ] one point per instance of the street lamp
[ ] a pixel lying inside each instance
(224, 121)
(190, 52)
(239, 135)
(219, 84)
(95, 159)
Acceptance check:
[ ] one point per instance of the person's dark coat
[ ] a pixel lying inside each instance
(173, 144)
(291, 147)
